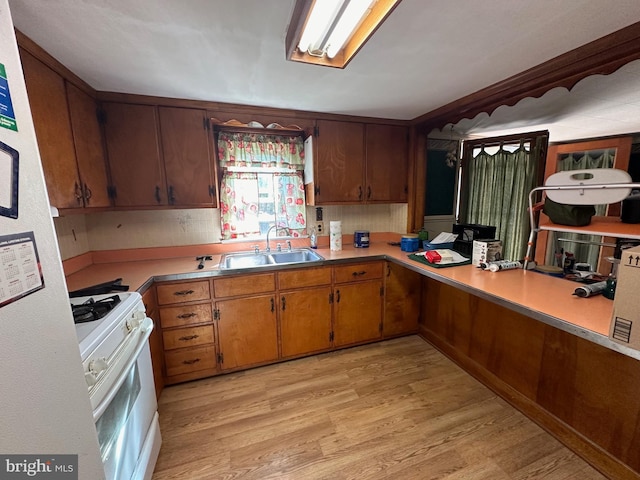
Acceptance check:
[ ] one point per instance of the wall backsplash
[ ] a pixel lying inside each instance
(78, 234)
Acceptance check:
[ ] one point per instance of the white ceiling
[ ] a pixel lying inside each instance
(427, 54)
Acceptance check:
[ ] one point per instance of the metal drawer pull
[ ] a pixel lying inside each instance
(357, 274)
(187, 315)
(191, 362)
(186, 338)
(184, 292)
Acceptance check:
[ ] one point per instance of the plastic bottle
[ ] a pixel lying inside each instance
(610, 290)
(569, 262)
(496, 267)
(313, 238)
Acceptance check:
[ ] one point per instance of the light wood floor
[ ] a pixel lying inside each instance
(397, 409)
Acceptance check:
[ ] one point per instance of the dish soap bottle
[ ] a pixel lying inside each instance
(313, 238)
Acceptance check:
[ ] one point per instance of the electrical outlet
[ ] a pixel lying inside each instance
(320, 228)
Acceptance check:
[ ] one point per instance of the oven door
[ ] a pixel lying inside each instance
(126, 418)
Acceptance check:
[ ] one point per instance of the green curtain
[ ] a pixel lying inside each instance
(582, 252)
(498, 189)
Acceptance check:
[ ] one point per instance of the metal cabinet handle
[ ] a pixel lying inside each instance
(273, 305)
(357, 274)
(172, 198)
(158, 199)
(78, 193)
(183, 292)
(369, 192)
(359, 192)
(187, 315)
(190, 362)
(87, 193)
(284, 303)
(337, 296)
(186, 338)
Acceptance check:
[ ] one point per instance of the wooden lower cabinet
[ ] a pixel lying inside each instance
(233, 322)
(188, 331)
(357, 312)
(402, 299)
(247, 331)
(305, 321)
(358, 302)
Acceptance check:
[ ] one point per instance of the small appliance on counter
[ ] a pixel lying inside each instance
(361, 239)
(467, 233)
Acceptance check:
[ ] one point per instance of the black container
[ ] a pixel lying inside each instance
(630, 212)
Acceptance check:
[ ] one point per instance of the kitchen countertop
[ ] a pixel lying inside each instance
(545, 298)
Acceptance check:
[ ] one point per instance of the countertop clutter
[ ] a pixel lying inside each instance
(545, 298)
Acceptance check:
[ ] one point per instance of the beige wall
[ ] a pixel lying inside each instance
(78, 234)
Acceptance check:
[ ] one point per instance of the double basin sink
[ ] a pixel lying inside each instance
(239, 260)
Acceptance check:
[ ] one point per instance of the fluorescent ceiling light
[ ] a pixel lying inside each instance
(331, 32)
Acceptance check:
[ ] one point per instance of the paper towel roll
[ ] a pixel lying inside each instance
(335, 235)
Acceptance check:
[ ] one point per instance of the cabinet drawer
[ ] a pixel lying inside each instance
(183, 292)
(187, 337)
(357, 272)
(307, 277)
(190, 360)
(186, 315)
(244, 285)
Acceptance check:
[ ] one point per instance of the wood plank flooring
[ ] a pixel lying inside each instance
(392, 410)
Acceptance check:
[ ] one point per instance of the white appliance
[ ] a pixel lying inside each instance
(44, 406)
(117, 367)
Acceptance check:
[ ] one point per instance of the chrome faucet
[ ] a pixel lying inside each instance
(268, 249)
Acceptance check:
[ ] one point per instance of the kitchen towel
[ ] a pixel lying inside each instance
(335, 235)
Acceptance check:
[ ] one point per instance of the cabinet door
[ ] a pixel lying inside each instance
(134, 157)
(357, 312)
(186, 151)
(247, 331)
(48, 101)
(401, 300)
(339, 162)
(89, 148)
(387, 163)
(305, 321)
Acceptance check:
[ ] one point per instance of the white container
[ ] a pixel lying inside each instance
(335, 236)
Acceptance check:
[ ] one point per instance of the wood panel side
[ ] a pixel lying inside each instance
(584, 394)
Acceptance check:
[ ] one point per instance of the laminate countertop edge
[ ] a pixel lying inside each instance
(499, 285)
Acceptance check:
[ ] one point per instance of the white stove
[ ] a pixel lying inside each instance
(117, 366)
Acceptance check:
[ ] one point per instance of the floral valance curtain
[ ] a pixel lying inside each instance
(253, 199)
(260, 151)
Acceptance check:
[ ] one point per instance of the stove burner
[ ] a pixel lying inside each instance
(93, 309)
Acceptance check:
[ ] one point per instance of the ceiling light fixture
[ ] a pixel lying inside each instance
(331, 32)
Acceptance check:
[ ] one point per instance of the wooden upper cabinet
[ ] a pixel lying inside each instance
(339, 162)
(387, 163)
(131, 133)
(360, 163)
(187, 148)
(48, 102)
(87, 139)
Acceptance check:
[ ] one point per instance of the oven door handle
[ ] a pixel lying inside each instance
(145, 327)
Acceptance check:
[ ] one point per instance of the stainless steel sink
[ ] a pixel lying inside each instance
(239, 260)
